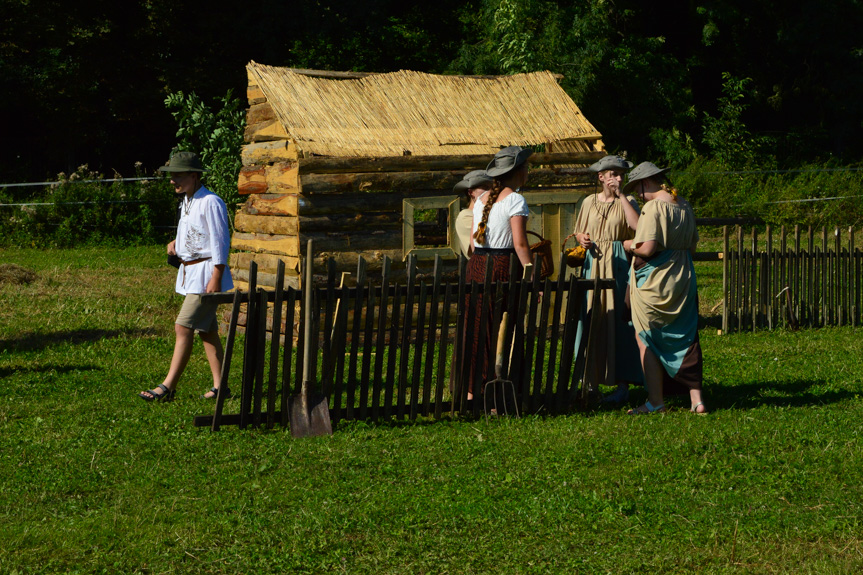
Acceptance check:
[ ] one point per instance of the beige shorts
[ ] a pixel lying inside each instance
(197, 315)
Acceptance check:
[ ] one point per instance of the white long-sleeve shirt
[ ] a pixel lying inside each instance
(202, 232)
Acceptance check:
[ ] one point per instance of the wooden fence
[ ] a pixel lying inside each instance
(795, 281)
(385, 350)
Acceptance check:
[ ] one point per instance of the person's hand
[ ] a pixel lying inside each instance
(584, 240)
(171, 250)
(627, 246)
(214, 285)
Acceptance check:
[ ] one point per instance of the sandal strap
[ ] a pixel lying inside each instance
(651, 408)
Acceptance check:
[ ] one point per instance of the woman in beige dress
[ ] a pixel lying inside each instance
(605, 227)
(664, 292)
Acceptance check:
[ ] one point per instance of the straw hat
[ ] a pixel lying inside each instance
(611, 163)
(472, 180)
(507, 160)
(183, 162)
(642, 171)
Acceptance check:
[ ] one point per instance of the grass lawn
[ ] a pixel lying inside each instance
(94, 480)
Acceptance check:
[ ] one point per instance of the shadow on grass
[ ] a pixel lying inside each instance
(60, 369)
(797, 393)
(40, 341)
(788, 393)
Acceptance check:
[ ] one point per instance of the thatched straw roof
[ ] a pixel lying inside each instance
(422, 114)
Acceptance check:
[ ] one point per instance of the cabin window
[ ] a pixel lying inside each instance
(428, 227)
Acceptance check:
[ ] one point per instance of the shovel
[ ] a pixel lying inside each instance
(309, 411)
(499, 387)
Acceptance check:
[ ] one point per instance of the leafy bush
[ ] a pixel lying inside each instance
(80, 211)
(216, 136)
(789, 197)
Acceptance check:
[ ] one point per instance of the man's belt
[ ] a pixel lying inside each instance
(190, 263)
(193, 262)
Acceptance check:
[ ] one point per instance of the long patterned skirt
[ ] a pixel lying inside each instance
(477, 305)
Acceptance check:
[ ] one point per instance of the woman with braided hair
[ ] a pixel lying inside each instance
(500, 230)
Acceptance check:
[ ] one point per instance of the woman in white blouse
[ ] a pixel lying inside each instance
(500, 230)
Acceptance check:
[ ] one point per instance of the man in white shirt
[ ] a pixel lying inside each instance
(202, 244)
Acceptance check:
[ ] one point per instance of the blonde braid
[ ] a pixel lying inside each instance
(496, 189)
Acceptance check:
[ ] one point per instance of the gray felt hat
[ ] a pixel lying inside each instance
(642, 171)
(183, 162)
(611, 163)
(472, 180)
(507, 160)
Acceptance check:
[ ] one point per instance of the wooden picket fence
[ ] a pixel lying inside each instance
(387, 350)
(791, 281)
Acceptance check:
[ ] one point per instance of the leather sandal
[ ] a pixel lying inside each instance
(694, 408)
(215, 391)
(166, 394)
(647, 409)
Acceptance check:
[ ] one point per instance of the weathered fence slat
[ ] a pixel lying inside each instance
(380, 342)
(226, 362)
(287, 357)
(431, 339)
(261, 348)
(442, 352)
(368, 339)
(392, 351)
(418, 348)
(249, 352)
(355, 339)
(407, 327)
(275, 345)
(328, 335)
(483, 335)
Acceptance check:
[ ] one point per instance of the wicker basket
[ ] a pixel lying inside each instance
(574, 256)
(543, 248)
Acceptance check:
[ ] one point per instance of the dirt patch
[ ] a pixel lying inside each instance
(15, 274)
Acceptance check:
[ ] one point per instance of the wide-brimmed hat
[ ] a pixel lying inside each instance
(642, 171)
(472, 180)
(507, 160)
(183, 162)
(611, 163)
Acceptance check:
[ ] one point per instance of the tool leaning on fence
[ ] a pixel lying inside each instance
(500, 387)
(309, 411)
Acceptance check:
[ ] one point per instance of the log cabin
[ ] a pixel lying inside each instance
(365, 163)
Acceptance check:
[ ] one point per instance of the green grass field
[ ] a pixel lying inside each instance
(94, 480)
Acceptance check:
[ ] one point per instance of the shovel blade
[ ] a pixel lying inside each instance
(310, 418)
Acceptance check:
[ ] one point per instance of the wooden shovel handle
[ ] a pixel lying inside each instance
(307, 332)
(501, 339)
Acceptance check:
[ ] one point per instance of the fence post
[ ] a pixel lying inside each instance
(740, 285)
(810, 280)
(783, 268)
(754, 281)
(368, 348)
(380, 346)
(725, 285)
(407, 326)
(854, 284)
(771, 279)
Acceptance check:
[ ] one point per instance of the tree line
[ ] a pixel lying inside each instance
(743, 82)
